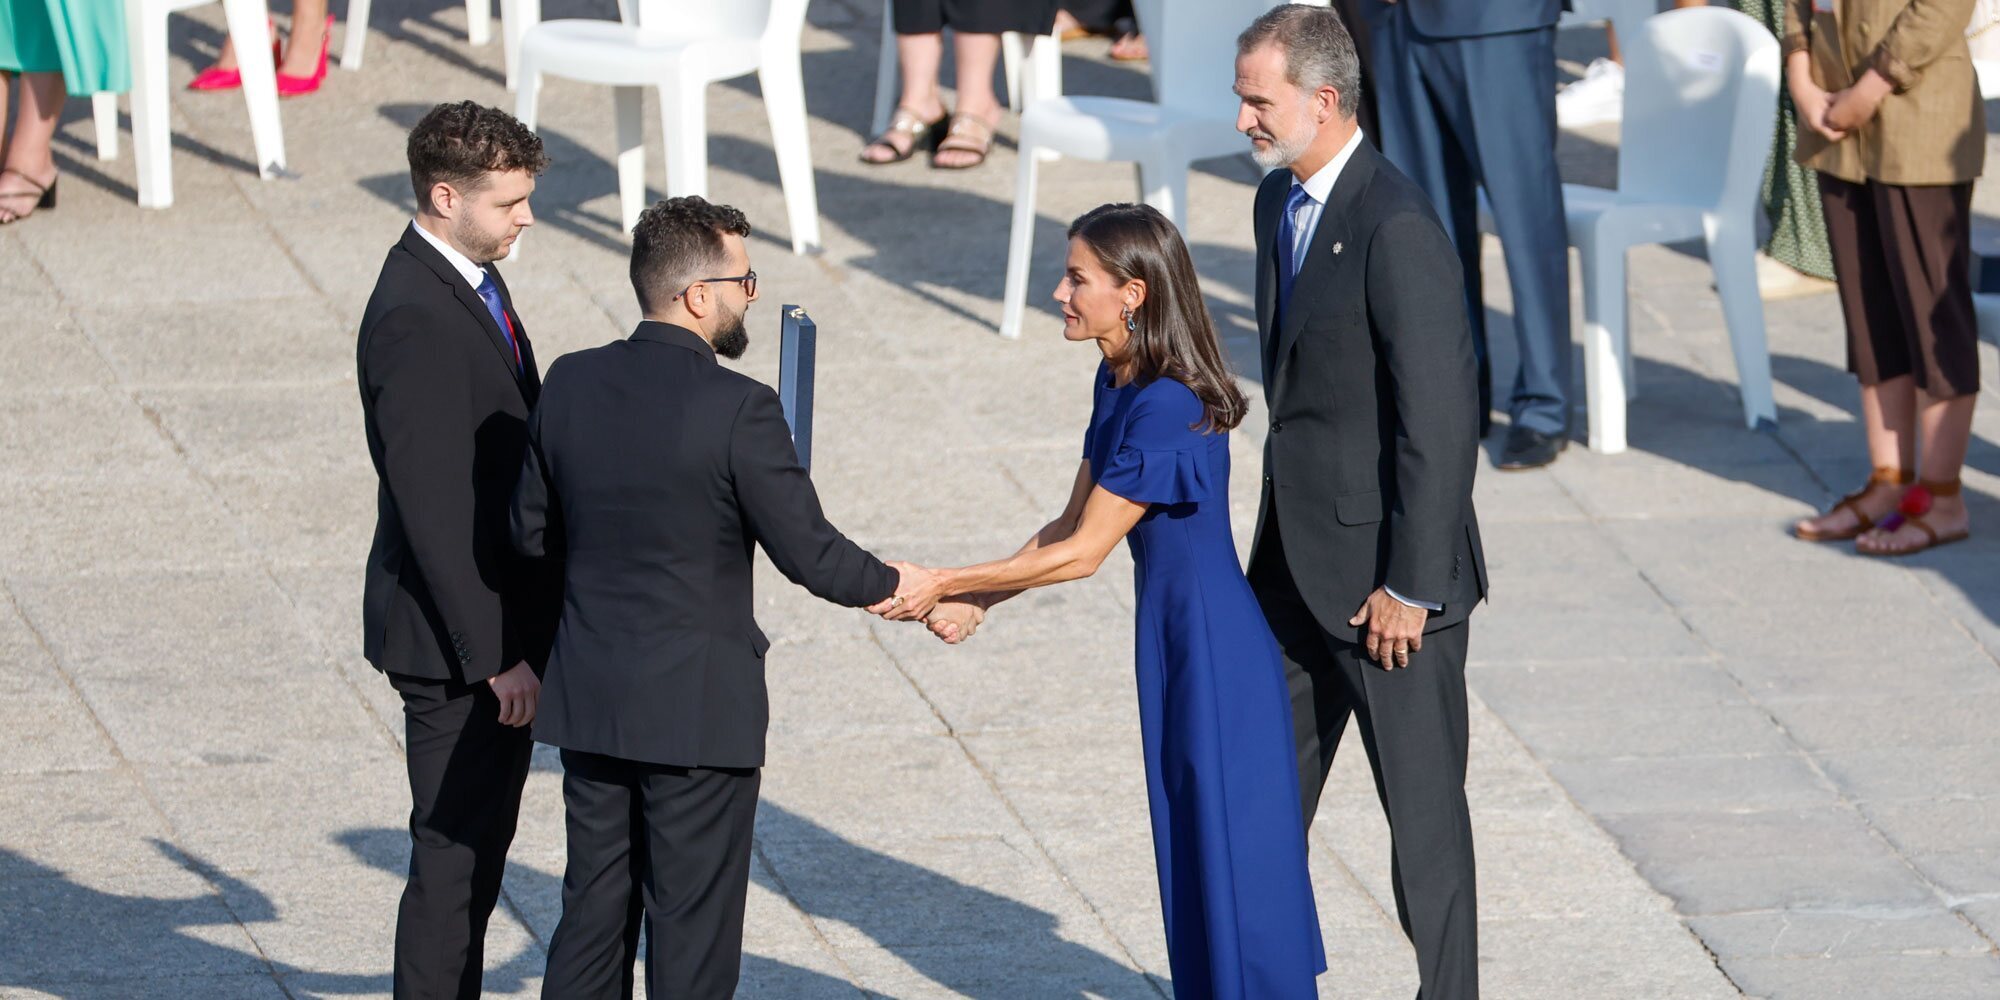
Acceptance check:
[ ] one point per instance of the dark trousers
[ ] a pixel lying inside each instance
(466, 773)
(672, 843)
(1413, 724)
(1903, 257)
(1458, 114)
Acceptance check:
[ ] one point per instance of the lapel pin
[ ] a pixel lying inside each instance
(1336, 248)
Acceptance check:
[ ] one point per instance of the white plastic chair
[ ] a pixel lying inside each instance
(1033, 62)
(1193, 53)
(680, 47)
(152, 133)
(478, 27)
(1701, 99)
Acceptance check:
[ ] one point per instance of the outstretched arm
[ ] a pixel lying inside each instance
(1069, 548)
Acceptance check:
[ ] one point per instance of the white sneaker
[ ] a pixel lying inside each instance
(1597, 98)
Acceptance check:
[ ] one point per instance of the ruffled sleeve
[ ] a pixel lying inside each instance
(1160, 458)
(1147, 475)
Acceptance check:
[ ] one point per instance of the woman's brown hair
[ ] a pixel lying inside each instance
(1172, 333)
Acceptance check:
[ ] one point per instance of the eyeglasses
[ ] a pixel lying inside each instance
(748, 281)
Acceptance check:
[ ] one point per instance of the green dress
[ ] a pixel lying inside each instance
(1791, 192)
(84, 40)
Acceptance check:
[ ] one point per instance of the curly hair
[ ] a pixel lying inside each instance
(678, 242)
(460, 144)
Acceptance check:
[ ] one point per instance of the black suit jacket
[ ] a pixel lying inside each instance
(446, 598)
(651, 472)
(1373, 397)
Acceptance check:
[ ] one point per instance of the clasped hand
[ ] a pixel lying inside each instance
(1834, 114)
(920, 596)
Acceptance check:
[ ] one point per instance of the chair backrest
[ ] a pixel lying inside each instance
(769, 20)
(1191, 45)
(1701, 100)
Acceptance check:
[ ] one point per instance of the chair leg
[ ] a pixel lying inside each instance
(104, 118)
(528, 96)
(1163, 182)
(684, 124)
(629, 107)
(1020, 241)
(250, 28)
(1042, 78)
(783, 84)
(1013, 54)
(1732, 252)
(152, 132)
(887, 77)
(1604, 343)
(357, 34)
(516, 17)
(478, 21)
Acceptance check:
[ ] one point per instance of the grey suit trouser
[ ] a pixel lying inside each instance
(1413, 724)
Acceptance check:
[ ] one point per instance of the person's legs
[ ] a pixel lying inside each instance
(698, 827)
(1876, 354)
(1321, 698)
(466, 773)
(30, 163)
(1414, 723)
(919, 56)
(1927, 243)
(303, 46)
(978, 56)
(597, 938)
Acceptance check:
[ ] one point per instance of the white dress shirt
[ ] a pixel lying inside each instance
(472, 273)
(1318, 188)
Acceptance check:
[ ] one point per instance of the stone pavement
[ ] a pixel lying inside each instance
(1706, 759)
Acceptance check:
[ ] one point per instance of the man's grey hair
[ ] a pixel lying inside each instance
(1318, 50)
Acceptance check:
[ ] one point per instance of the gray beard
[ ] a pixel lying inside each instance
(1279, 154)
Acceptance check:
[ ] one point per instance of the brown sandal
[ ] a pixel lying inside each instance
(1882, 476)
(967, 134)
(1917, 503)
(923, 135)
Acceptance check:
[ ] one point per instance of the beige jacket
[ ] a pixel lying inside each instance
(1931, 129)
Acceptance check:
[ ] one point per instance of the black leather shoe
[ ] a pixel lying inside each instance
(1530, 449)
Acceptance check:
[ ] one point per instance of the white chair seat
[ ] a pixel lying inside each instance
(1114, 129)
(609, 52)
(1595, 213)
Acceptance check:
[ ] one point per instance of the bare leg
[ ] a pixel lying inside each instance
(919, 56)
(30, 163)
(1947, 434)
(308, 32)
(1889, 414)
(978, 56)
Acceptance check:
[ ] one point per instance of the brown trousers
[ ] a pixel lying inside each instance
(1903, 258)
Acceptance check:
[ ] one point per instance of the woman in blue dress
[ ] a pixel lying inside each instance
(1215, 718)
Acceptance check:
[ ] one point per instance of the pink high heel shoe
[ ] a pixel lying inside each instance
(293, 86)
(216, 78)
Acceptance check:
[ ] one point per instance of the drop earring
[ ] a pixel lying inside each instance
(1131, 323)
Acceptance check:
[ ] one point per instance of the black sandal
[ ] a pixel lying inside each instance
(44, 195)
(923, 136)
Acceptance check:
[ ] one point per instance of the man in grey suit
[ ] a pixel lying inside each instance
(1466, 92)
(1367, 559)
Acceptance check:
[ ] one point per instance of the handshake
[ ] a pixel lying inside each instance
(924, 594)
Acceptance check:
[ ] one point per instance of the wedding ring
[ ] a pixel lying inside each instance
(897, 602)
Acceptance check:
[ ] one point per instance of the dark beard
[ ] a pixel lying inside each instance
(732, 340)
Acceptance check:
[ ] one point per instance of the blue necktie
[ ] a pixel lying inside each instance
(491, 296)
(1288, 238)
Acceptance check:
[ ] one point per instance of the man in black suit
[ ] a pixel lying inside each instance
(1367, 558)
(651, 473)
(459, 622)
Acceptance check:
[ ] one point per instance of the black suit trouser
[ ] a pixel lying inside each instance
(466, 774)
(671, 843)
(1413, 724)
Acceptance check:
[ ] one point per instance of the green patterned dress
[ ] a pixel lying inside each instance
(1791, 192)
(84, 40)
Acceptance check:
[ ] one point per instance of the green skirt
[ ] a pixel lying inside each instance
(84, 40)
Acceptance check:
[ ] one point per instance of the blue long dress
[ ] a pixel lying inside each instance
(1221, 773)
